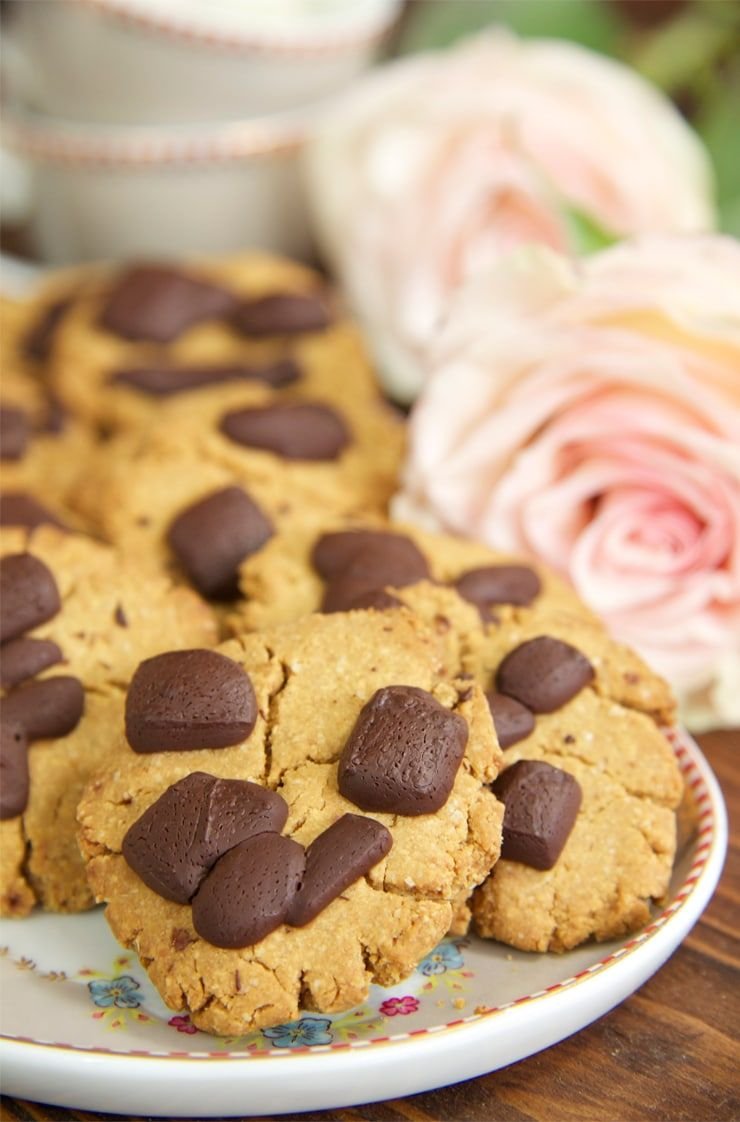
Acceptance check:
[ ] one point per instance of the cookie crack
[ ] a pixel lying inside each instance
(24, 866)
(271, 715)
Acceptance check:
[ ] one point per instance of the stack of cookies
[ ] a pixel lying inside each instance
(290, 743)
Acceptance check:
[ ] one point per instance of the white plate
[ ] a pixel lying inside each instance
(82, 1027)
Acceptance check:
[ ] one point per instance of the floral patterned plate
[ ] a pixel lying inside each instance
(82, 1026)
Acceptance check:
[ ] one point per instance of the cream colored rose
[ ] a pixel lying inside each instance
(588, 414)
(436, 164)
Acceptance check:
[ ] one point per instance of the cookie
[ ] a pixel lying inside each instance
(155, 333)
(590, 787)
(335, 566)
(365, 774)
(151, 486)
(619, 674)
(74, 624)
(43, 452)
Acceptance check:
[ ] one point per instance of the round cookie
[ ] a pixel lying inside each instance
(144, 482)
(320, 685)
(43, 452)
(156, 333)
(620, 674)
(319, 567)
(590, 788)
(76, 621)
(618, 854)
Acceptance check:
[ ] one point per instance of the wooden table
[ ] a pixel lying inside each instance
(669, 1053)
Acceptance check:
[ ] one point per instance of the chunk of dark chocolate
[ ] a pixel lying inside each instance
(249, 891)
(283, 313)
(212, 537)
(19, 509)
(39, 340)
(46, 708)
(302, 430)
(24, 658)
(541, 804)
(359, 564)
(183, 700)
(498, 584)
(403, 753)
(157, 303)
(15, 432)
(338, 857)
(28, 594)
(512, 720)
(543, 673)
(13, 769)
(167, 380)
(181, 836)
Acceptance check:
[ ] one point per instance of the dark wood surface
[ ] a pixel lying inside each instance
(670, 1053)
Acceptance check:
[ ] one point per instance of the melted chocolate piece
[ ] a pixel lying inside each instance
(166, 380)
(182, 835)
(361, 563)
(46, 709)
(346, 851)
(294, 430)
(20, 509)
(541, 804)
(212, 537)
(377, 599)
(403, 754)
(249, 891)
(39, 339)
(512, 720)
(334, 553)
(498, 584)
(28, 594)
(23, 658)
(182, 700)
(288, 313)
(13, 769)
(543, 673)
(15, 432)
(55, 418)
(157, 303)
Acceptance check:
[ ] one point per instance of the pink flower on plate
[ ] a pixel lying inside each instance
(183, 1024)
(436, 164)
(399, 1006)
(588, 414)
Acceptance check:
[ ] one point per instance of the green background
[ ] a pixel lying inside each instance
(689, 48)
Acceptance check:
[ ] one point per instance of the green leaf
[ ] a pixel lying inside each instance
(431, 25)
(586, 235)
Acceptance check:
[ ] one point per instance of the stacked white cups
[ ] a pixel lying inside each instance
(170, 127)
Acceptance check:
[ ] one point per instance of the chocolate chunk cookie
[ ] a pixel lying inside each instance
(76, 623)
(234, 925)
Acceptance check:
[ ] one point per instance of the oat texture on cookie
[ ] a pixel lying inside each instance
(236, 927)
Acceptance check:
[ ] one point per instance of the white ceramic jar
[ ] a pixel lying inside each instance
(114, 193)
(187, 61)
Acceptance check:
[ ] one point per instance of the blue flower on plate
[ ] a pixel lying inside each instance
(444, 957)
(115, 991)
(298, 1034)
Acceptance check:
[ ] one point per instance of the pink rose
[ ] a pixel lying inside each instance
(436, 164)
(588, 414)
